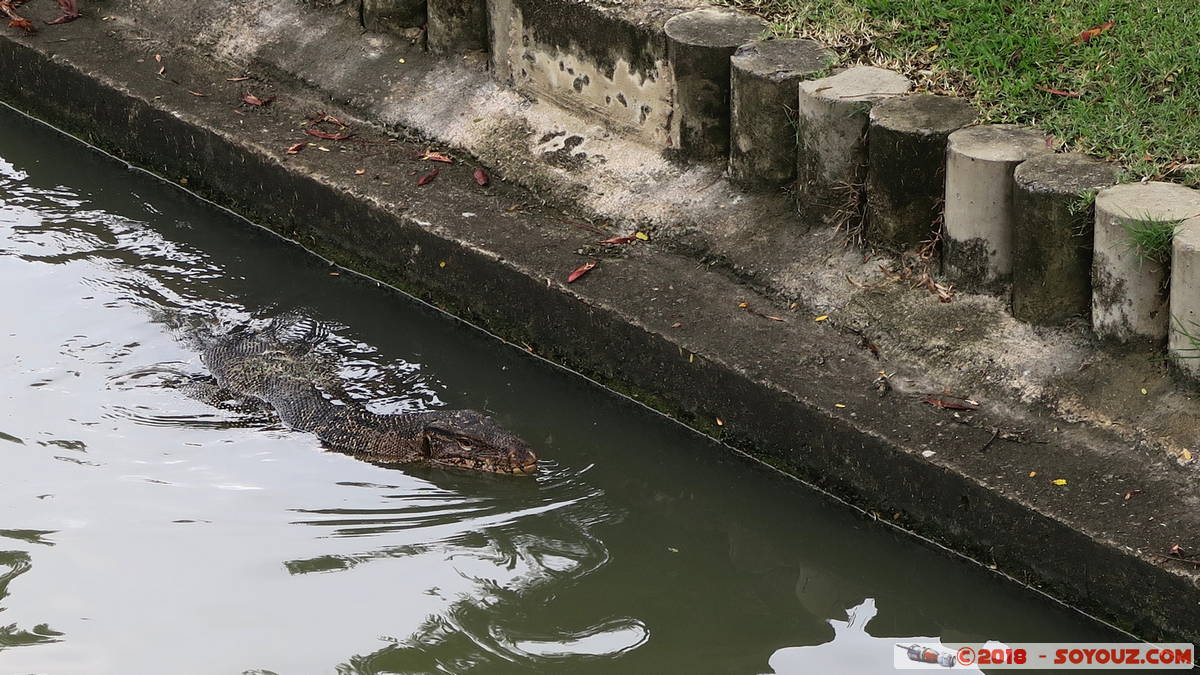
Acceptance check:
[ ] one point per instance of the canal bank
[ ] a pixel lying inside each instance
(1055, 496)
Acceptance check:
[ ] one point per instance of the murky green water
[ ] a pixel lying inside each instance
(142, 531)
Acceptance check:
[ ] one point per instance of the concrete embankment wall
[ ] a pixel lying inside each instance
(821, 400)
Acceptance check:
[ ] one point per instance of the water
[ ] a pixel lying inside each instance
(144, 531)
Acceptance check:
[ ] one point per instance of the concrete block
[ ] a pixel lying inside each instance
(1129, 284)
(1183, 341)
(764, 79)
(700, 43)
(977, 234)
(906, 179)
(1052, 236)
(618, 76)
(392, 15)
(456, 25)
(831, 133)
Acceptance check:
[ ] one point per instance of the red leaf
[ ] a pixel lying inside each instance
(481, 177)
(619, 240)
(256, 101)
(1093, 32)
(428, 178)
(435, 157)
(580, 271)
(1058, 92)
(296, 148)
(326, 135)
(949, 405)
(22, 24)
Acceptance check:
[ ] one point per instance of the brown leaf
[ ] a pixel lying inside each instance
(1058, 92)
(326, 117)
(949, 405)
(256, 101)
(326, 135)
(1093, 32)
(428, 178)
(581, 270)
(481, 176)
(292, 150)
(1131, 493)
(23, 24)
(431, 156)
(619, 240)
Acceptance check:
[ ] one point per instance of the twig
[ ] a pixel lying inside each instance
(995, 435)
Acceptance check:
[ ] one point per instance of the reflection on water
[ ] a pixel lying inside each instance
(147, 515)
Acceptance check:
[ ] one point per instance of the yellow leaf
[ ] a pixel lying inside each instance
(691, 357)
(401, 60)
(642, 235)
(743, 304)
(1059, 481)
(839, 405)
(1032, 474)
(442, 264)
(822, 317)
(1186, 455)
(1144, 392)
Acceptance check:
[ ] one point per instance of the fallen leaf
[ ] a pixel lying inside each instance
(580, 271)
(23, 24)
(256, 101)
(1185, 455)
(326, 117)
(720, 422)
(1032, 474)
(1058, 92)
(326, 135)
(481, 176)
(427, 178)
(672, 549)
(293, 149)
(676, 324)
(359, 172)
(1176, 549)
(431, 156)
(162, 70)
(1131, 493)
(642, 235)
(839, 405)
(243, 78)
(743, 305)
(323, 148)
(1093, 32)
(442, 264)
(768, 316)
(1059, 481)
(949, 405)
(158, 57)
(822, 317)
(196, 93)
(619, 240)
(1144, 392)
(335, 274)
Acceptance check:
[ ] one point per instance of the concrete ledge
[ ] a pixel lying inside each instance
(1183, 341)
(799, 394)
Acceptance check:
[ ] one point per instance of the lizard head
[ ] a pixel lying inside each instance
(466, 439)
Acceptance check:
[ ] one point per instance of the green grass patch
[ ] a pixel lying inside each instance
(1151, 239)
(1135, 88)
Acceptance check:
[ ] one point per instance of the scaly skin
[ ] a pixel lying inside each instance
(284, 376)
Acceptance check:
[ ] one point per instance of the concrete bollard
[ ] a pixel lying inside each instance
(1129, 295)
(699, 44)
(456, 26)
(764, 78)
(1183, 341)
(392, 15)
(906, 167)
(831, 131)
(977, 243)
(1052, 236)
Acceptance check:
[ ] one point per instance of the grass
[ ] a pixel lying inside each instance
(1150, 239)
(1138, 83)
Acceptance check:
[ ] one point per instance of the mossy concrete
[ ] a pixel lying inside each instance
(663, 321)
